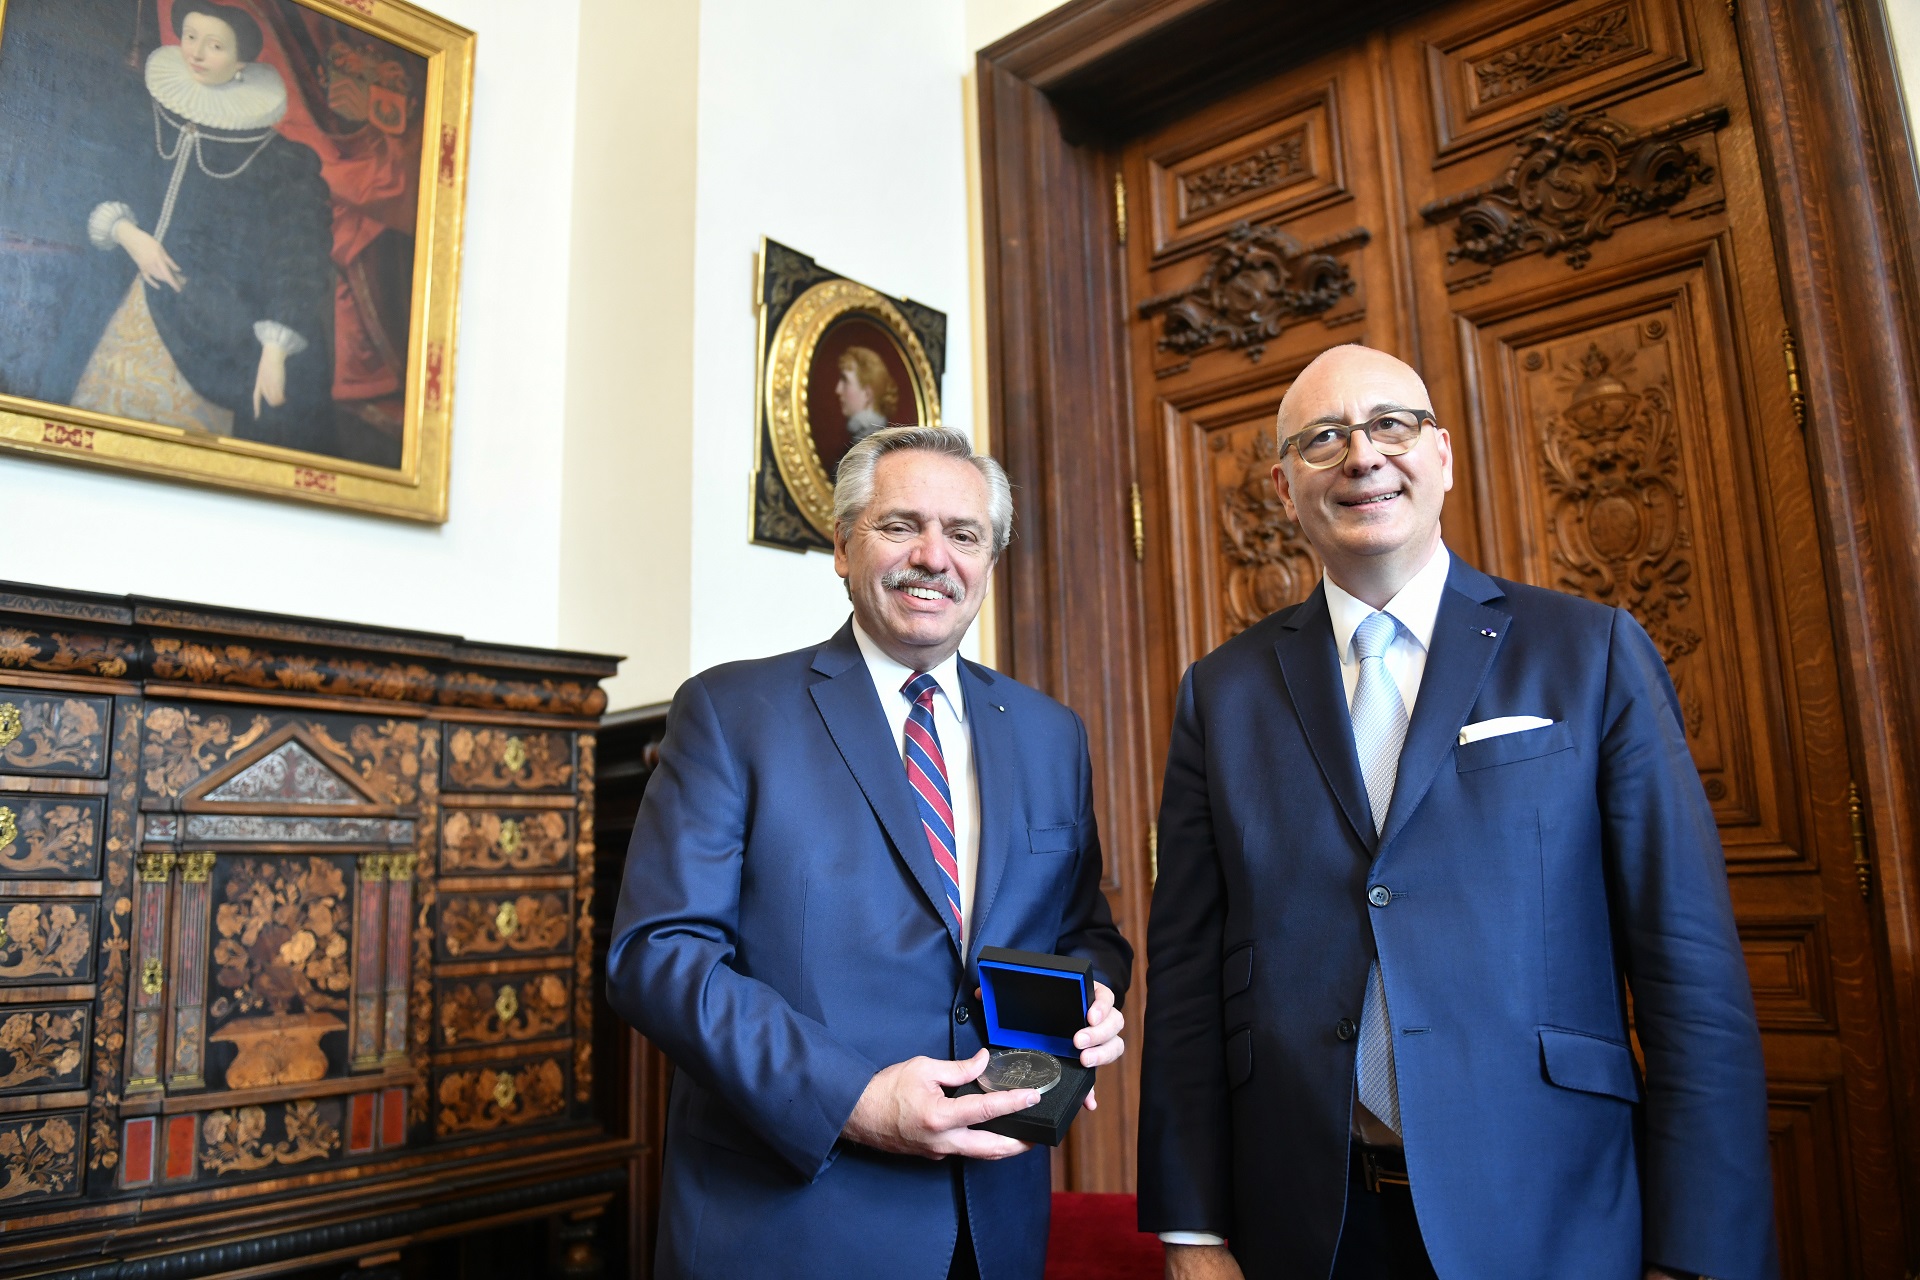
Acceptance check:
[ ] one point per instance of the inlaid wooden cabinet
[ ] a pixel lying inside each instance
(295, 939)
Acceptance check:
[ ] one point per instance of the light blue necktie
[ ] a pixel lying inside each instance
(1379, 731)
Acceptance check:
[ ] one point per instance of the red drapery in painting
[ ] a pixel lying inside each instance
(356, 101)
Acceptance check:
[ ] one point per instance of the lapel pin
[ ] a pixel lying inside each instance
(996, 706)
(1489, 634)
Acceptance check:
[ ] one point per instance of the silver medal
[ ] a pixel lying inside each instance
(1009, 1069)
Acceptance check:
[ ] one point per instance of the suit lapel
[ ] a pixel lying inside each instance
(1467, 633)
(1311, 669)
(858, 726)
(993, 767)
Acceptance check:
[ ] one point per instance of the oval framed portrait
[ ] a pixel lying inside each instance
(843, 363)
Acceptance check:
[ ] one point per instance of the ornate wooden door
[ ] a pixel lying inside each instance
(1555, 212)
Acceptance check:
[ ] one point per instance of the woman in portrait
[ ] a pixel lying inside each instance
(222, 228)
(867, 392)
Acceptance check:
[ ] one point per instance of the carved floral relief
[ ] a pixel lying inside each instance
(1591, 40)
(1265, 561)
(1575, 180)
(1261, 170)
(1257, 281)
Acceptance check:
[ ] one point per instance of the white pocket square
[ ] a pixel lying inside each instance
(1501, 725)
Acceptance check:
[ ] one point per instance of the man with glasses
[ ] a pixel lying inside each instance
(1420, 838)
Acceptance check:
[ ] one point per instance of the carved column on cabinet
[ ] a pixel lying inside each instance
(368, 900)
(399, 918)
(188, 981)
(149, 1017)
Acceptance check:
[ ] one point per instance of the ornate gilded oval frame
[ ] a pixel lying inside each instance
(789, 361)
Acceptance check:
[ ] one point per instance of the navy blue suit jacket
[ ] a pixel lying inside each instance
(782, 935)
(1533, 876)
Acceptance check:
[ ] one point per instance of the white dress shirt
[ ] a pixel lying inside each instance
(1415, 608)
(956, 746)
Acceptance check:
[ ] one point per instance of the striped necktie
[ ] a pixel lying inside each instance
(1379, 731)
(927, 771)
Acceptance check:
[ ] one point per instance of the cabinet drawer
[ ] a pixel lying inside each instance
(58, 734)
(490, 841)
(50, 837)
(491, 758)
(506, 922)
(43, 1047)
(505, 1095)
(504, 1008)
(41, 1155)
(48, 940)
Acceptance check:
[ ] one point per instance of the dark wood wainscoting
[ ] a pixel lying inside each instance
(1187, 200)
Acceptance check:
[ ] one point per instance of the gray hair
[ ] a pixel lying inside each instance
(853, 487)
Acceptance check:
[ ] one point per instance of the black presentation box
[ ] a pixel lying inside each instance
(1035, 1001)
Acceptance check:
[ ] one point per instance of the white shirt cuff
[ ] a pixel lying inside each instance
(273, 333)
(1190, 1237)
(107, 215)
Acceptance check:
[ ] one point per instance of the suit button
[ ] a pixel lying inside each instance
(1345, 1029)
(1379, 895)
(960, 1015)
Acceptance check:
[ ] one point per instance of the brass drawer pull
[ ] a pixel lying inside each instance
(510, 838)
(514, 755)
(9, 827)
(505, 1005)
(503, 1091)
(10, 723)
(150, 977)
(506, 921)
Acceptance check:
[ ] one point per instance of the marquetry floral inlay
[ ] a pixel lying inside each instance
(496, 760)
(57, 734)
(282, 944)
(49, 838)
(488, 1010)
(40, 1158)
(473, 924)
(236, 1141)
(47, 939)
(488, 1098)
(184, 746)
(45, 1046)
(480, 841)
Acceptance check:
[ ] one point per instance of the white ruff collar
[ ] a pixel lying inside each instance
(257, 100)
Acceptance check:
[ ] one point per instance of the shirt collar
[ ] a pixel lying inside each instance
(889, 675)
(1414, 608)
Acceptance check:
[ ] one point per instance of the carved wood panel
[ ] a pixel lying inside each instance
(1806, 1123)
(1491, 68)
(1284, 161)
(1611, 473)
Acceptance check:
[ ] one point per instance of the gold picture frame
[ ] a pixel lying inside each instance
(380, 93)
(814, 326)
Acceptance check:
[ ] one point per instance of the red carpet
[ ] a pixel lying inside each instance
(1094, 1238)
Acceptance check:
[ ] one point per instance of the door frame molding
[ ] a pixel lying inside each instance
(1056, 98)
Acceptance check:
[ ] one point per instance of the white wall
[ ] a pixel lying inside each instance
(489, 572)
(787, 148)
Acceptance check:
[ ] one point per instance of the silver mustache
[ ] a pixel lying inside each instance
(909, 577)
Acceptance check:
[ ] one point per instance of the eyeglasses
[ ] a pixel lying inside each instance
(1326, 445)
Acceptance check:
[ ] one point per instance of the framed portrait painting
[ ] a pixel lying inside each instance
(230, 242)
(838, 361)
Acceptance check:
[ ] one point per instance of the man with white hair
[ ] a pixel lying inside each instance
(829, 839)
